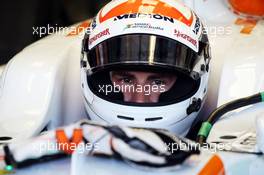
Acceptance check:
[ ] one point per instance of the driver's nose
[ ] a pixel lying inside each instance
(140, 97)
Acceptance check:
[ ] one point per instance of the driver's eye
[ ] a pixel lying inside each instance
(158, 82)
(126, 80)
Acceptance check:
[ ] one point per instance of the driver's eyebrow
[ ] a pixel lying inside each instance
(158, 76)
(122, 73)
(153, 77)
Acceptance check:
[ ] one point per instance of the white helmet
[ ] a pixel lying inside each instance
(152, 35)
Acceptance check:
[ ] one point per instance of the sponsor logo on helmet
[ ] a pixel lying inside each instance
(197, 26)
(177, 33)
(99, 35)
(143, 15)
(149, 6)
(93, 23)
(146, 26)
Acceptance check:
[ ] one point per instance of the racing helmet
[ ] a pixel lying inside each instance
(153, 36)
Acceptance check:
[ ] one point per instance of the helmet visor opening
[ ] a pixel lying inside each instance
(138, 87)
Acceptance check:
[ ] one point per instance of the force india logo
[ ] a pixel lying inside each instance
(177, 33)
(99, 35)
(143, 15)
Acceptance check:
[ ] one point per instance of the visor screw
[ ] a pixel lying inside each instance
(194, 106)
(83, 63)
(203, 67)
(207, 67)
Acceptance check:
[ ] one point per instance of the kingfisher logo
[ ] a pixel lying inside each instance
(177, 33)
(99, 35)
(142, 15)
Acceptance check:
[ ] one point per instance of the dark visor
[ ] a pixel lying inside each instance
(142, 49)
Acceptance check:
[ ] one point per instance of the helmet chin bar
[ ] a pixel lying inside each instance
(180, 128)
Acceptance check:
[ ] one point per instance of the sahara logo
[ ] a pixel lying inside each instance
(146, 26)
(143, 15)
(178, 34)
(99, 35)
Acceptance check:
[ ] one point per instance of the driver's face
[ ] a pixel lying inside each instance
(142, 87)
